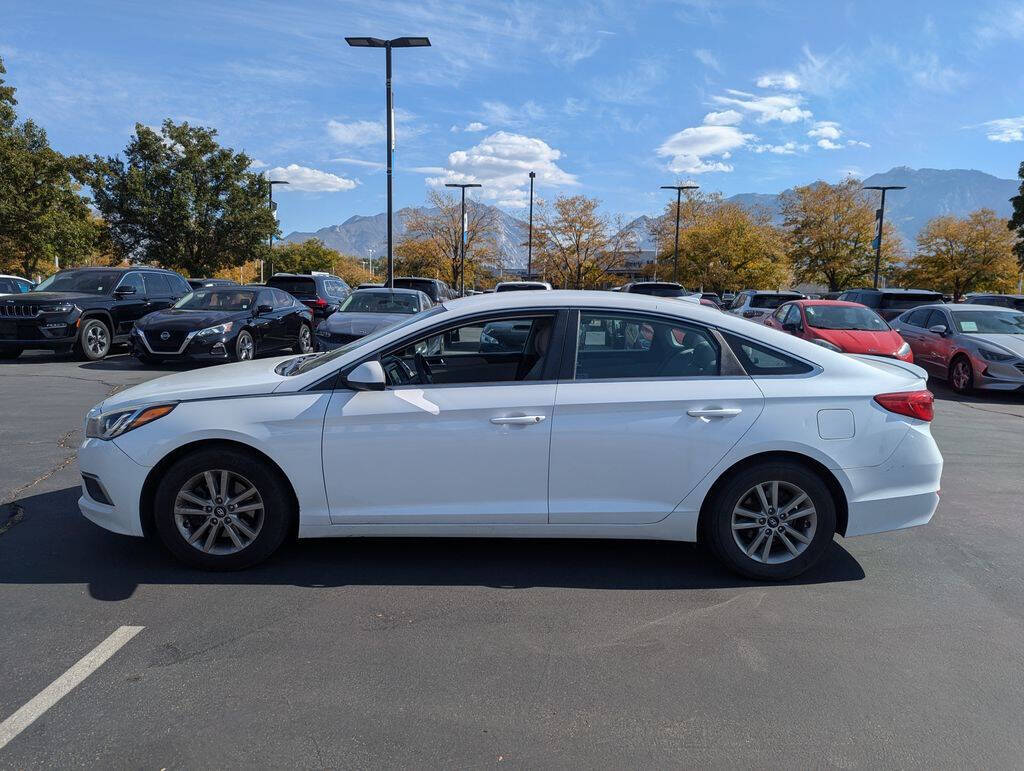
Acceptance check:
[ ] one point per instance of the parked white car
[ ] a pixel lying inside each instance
(526, 414)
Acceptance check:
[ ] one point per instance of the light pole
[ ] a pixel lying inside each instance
(462, 260)
(529, 243)
(389, 116)
(273, 210)
(679, 200)
(880, 217)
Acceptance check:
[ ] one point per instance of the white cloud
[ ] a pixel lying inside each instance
(309, 180)
(501, 162)
(359, 162)
(856, 143)
(1005, 129)
(573, 106)
(632, 86)
(927, 72)
(689, 150)
(784, 80)
(825, 129)
(357, 133)
(723, 118)
(474, 126)
(781, 107)
(823, 75)
(789, 148)
(828, 144)
(1005, 22)
(705, 57)
(257, 164)
(497, 113)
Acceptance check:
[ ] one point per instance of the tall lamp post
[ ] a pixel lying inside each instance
(273, 210)
(462, 259)
(679, 201)
(880, 217)
(529, 243)
(387, 45)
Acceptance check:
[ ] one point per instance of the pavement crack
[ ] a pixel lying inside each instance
(64, 444)
(994, 412)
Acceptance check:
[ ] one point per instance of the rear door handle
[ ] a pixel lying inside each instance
(518, 420)
(715, 412)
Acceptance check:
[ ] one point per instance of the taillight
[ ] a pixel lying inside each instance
(320, 302)
(913, 404)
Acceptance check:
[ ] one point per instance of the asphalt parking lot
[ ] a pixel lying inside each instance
(899, 650)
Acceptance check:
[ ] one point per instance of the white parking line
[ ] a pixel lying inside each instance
(63, 685)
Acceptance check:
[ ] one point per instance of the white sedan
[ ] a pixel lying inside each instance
(526, 415)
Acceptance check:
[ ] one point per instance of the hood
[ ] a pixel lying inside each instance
(361, 323)
(187, 320)
(1010, 343)
(41, 298)
(862, 340)
(244, 378)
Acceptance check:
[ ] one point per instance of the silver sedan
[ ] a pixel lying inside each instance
(970, 346)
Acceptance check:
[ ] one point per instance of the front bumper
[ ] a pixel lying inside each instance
(47, 334)
(121, 479)
(997, 376)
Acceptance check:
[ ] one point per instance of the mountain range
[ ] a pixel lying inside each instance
(929, 193)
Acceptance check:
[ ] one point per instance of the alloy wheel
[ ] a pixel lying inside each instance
(96, 339)
(219, 512)
(246, 348)
(305, 339)
(774, 522)
(961, 375)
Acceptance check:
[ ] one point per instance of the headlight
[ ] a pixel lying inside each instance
(903, 350)
(826, 344)
(107, 425)
(990, 355)
(220, 329)
(63, 308)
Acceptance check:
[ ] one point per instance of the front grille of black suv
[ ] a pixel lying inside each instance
(19, 311)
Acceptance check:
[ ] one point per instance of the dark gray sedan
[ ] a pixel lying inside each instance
(367, 310)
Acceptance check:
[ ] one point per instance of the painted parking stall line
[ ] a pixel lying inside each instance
(64, 684)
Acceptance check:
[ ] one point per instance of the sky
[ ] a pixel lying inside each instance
(599, 97)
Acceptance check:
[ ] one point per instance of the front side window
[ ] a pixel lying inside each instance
(792, 315)
(935, 318)
(281, 300)
(615, 346)
(491, 351)
(132, 281)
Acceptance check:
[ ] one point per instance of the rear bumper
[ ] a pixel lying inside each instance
(902, 492)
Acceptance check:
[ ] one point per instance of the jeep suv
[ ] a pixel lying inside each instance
(87, 310)
(322, 293)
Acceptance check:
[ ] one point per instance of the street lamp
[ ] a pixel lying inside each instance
(273, 210)
(389, 116)
(880, 217)
(529, 243)
(462, 260)
(679, 199)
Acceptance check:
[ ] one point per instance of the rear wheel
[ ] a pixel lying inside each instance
(771, 521)
(93, 340)
(10, 353)
(961, 375)
(222, 509)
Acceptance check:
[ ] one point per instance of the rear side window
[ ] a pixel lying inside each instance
(178, 284)
(297, 286)
(335, 287)
(157, 285)
(759, 360)
(769, 300)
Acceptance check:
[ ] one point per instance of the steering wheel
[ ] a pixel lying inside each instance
(423, 369)
(398, 371)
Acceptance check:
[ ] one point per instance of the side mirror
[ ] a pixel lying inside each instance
(261, 309)
(124, 291)
(939, 329)
(368, 376)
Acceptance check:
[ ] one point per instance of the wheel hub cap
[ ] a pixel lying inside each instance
(202, 506)
(773, 522)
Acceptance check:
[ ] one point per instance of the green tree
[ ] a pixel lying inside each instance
(313, 254)
(43, 219)
(1016, 223)
(180, 200)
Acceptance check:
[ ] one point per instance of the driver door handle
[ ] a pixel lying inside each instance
(714, 412)
(518, 420)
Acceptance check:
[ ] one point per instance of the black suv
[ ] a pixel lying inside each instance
(434, 288)
(890, 303)
(85, 309)
(322, 293)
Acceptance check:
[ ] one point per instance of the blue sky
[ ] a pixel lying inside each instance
(610, 99)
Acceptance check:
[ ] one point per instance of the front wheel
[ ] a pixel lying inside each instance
(771, 521)
(222, 509)
(93, 340)
(961, 375)
(245, 346)
(305, 341)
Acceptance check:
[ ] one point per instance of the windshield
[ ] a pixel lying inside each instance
(517, 287)
(989, 322)
(88, 281)
(320, 359)
(659, 290)
(844, 317)
(215, 299)
(426, 286)
(771, 300)
(380, 302)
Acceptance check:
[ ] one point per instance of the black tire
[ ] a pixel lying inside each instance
(961, 375)
(10, 353)
(94, 340)
(718, 530)
(245, 347)
(310, 346)
(278, 508)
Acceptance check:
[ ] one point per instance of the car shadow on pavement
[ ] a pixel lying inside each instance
(944, 393)
(46, 541)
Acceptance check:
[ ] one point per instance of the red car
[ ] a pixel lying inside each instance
(840, 326)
